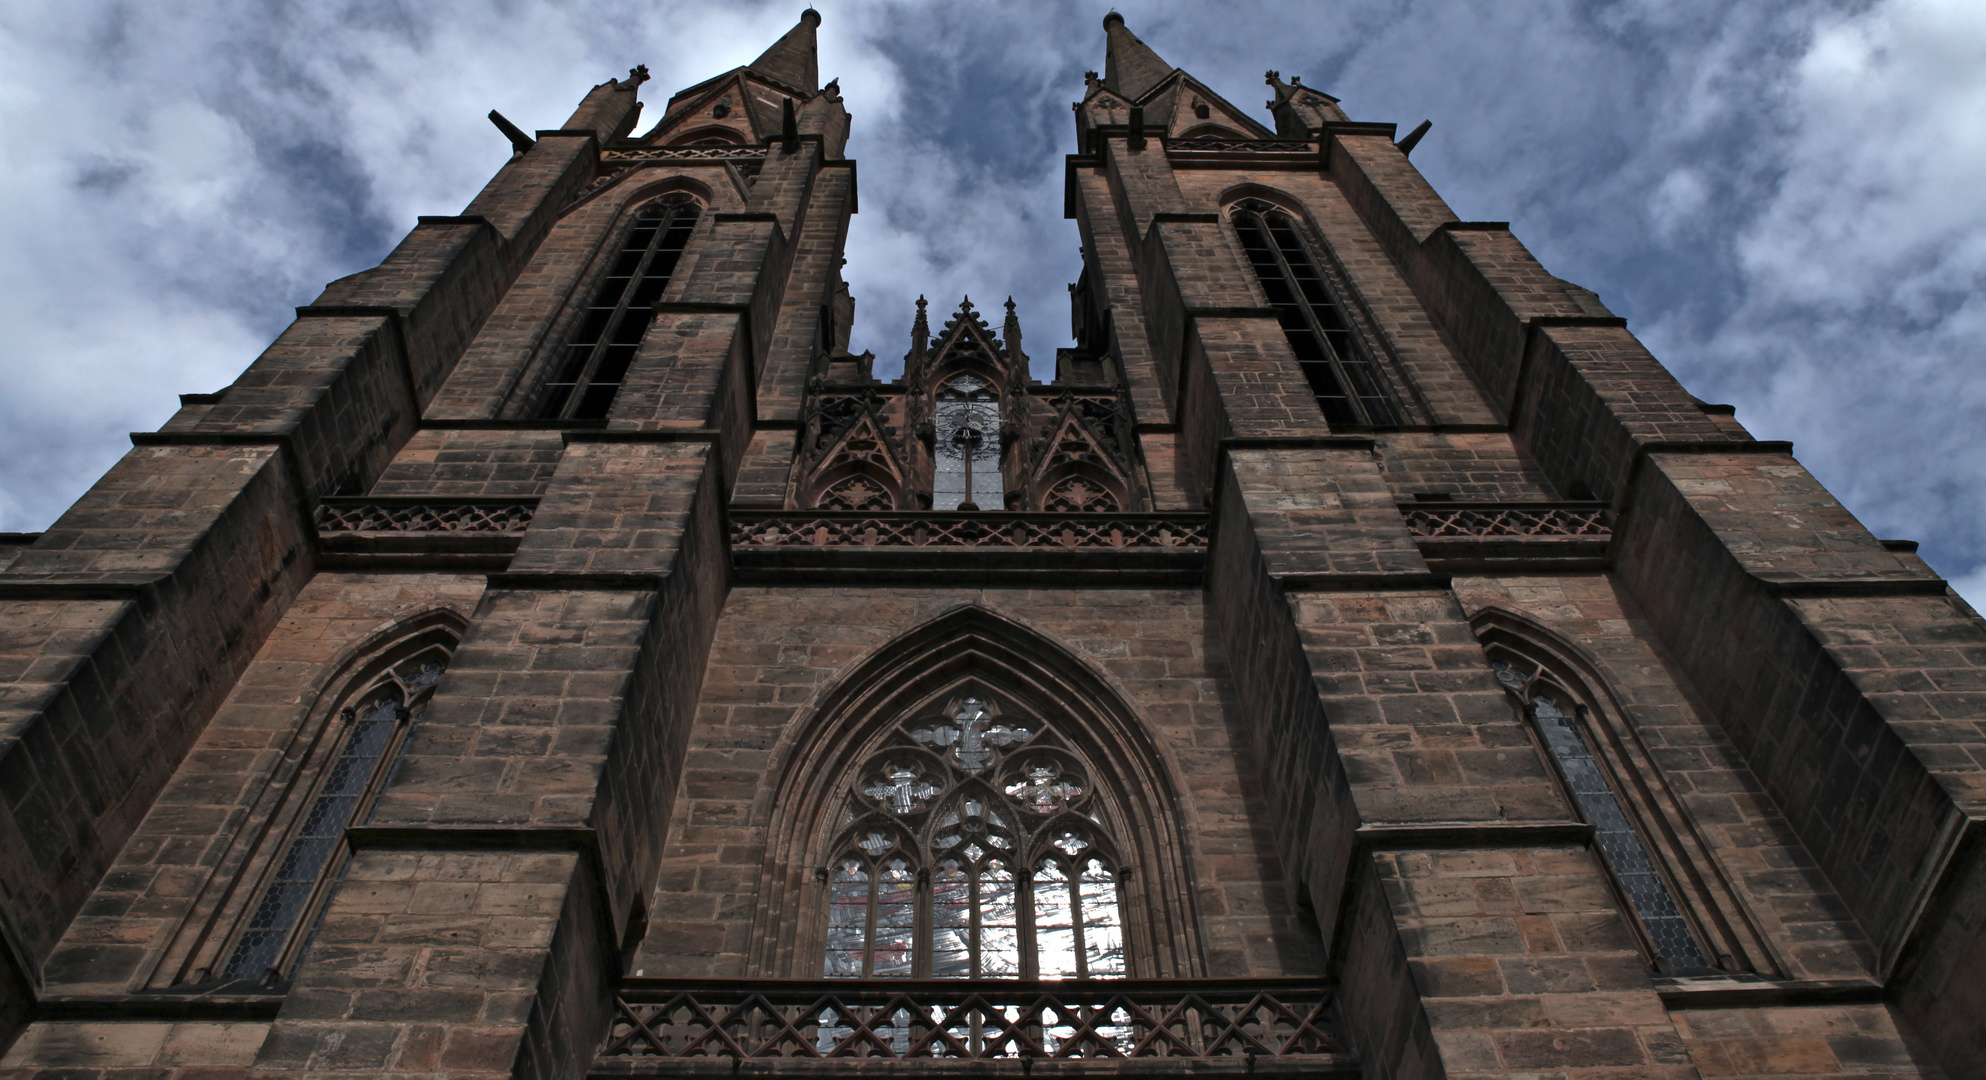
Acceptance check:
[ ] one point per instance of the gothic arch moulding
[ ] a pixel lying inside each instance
(905, 693)
(402, 661)
(1558, 683)
(708, 136)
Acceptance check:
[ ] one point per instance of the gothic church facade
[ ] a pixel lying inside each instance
(558, 655)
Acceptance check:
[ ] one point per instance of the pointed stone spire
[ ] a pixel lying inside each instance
(920, 331)
(1011, 333)
(793, 59)
(1130, 67)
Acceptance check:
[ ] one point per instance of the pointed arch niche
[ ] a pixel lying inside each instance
(969, 767)
(1672, 894)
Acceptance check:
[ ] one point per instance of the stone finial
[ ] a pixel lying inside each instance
(637, 75)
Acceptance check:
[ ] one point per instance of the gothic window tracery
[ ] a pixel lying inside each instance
(847, 457)
(1350, 388)
(373, 733)
(967, 447)
(587, 375)
(972, 846)
(1555, 712)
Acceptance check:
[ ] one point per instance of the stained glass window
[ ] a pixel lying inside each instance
(1349, 387)
(313, 855)
(967, 470)
(1551, 710)
(586, 377)
(1020, 877)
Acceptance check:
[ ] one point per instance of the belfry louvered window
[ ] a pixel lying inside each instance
(369, 737)
(1350, 388)
(1555, 713)
(970, 847)
(586, 377)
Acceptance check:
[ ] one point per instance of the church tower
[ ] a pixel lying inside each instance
(559, 655)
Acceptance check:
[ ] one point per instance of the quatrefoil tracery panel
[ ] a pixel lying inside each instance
(973, 845)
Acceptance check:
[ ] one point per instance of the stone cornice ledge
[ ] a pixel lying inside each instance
(473, 837)
(665, 435)
(1473, 834)
(1400, 581)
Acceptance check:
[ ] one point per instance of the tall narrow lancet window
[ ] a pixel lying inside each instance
(967, 470)
(1554, 711)
(970, 846)
(368, 738)
(588, 374)
(1350, 388)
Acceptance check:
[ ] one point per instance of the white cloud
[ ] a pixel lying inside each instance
(1782, 197)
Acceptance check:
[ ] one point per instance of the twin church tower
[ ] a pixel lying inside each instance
(557, 655)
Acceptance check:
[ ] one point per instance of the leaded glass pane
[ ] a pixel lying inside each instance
(999, 923)
(896, 920)
(1646, 892)
(951, 922)
(1054, 923)
(1103, 931)
(977, 796)
(316, 840)
(848, 921)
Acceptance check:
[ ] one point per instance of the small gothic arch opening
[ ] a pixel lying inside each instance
(362, 721)
(974, 802)
(1672, 896)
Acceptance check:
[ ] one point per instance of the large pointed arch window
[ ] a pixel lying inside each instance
(971, 846)
(1555, 714)
(966, 474)
(1350, 388)
(368, 738)
(589, 371)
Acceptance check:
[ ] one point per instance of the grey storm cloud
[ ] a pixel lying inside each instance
(1782, 198)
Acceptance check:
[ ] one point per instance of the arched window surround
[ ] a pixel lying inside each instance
(583, 365)
(1357, 355)
(1724, 932)
(966, 652)
(206, 942)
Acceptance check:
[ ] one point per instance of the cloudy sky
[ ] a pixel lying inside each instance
(1783, 198)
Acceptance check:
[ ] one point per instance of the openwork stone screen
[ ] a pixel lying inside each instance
(971, 846)
(1242, 1027)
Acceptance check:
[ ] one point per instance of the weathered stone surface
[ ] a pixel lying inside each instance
(1304, 761)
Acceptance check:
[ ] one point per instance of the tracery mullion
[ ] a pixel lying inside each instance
(576, 391)
(969, 807)
(1358, 392)
(1351, 389)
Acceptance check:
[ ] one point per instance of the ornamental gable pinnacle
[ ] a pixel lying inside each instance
(794, 59)
(1130, 67)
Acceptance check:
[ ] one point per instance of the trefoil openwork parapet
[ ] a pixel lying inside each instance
(1105, 1026)
(1491, 519)
(1241, 146)
(981, 530)
(371, 515)
(681, 153)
